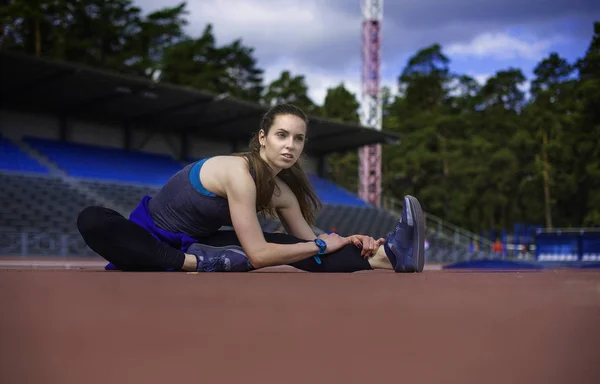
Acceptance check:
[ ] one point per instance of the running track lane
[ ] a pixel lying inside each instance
(91, 326)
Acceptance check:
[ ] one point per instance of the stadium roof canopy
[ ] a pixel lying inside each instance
(28, 83)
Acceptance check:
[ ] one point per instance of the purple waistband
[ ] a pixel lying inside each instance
(141, 216)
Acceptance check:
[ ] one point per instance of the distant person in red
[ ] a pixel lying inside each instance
(498, 247)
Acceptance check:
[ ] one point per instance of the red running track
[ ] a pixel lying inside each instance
(91, 326)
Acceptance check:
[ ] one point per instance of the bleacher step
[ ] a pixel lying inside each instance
(55, 170)
(74, 183)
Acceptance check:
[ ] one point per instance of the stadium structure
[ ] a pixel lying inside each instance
(72, 136)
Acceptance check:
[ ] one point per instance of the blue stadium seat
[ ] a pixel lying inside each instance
(103, 163)
(114, 164)
(13, 159)
(331, 193)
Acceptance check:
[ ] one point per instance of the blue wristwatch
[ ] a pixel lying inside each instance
(322, 247)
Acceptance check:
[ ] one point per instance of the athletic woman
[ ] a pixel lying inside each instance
(179, 228)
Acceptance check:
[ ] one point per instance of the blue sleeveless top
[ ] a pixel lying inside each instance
(183, 205)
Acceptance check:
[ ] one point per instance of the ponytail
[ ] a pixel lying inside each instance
(296, 179)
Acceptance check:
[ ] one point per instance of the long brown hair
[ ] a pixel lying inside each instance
(295, 176)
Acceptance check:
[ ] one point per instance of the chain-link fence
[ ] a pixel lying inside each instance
(34, 243)
(42, 244)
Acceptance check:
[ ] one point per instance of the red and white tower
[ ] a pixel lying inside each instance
(371, 113)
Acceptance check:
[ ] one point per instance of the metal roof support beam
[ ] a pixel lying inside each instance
(175, 151)
(63, 128)
(234, 146)
(184, 152)
(127, 137)
(148, 136)
(322, 166)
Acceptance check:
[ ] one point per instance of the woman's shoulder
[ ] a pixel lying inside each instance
(227, 161)
(221, 173)
(227, 165)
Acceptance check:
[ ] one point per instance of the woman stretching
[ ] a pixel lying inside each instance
(178, 229)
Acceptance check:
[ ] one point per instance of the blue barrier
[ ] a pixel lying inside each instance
(496, 264)
(582, 245)
(572, 248)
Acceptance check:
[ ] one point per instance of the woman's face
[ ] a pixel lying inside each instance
(283, 144)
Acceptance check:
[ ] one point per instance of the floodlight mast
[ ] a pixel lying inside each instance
(371, 103)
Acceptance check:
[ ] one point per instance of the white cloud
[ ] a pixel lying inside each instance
(321, 40)
(327, 34)
(292, 35)
(482, 78)
(275, 28)
(317, 80)
(501, 46)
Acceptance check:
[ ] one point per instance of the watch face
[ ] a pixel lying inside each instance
(321, 243)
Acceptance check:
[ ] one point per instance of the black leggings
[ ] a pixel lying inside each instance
(130, 247)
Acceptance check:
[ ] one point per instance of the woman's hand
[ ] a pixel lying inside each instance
(368, 245)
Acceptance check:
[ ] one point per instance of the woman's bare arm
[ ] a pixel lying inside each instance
(290, 215)
(241, 195)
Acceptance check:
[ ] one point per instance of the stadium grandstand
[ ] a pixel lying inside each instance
(72, 136)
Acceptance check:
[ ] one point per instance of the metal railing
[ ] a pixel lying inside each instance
(446, 241)
(34, 243)
(444, 229)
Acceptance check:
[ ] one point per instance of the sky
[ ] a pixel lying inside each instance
(320, 39)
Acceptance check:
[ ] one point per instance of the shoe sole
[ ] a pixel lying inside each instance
(416, 213)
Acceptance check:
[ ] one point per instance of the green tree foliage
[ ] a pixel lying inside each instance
(157, 32)
(290, 88)
(585, 137)
(488, 156)
(483, 156)
(341, 105)
(115, 35)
